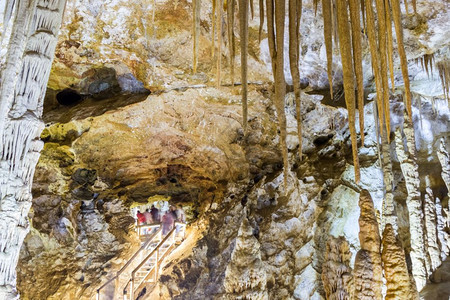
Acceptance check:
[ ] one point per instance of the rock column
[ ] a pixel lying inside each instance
(24, 76)
(410, 172)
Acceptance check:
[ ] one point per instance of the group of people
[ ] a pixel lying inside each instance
(167, 220)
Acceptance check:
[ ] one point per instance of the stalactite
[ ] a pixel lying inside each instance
(252, 13)
(371, 32)
(280, 83)
(368, 274)
(410, 172)
(261, 18)
(219, 41)
(336, 272)
(293, 61)
(231, 41)
(430, 226)
(381, 14)
(196, 31)
(271, 33)
(396, 15)
(327, 34)
(213, 32)
(357, 60)
(243, 23)
(394, 266)
(390, 43)
(349, 84)
(444, 74)
(426, 61)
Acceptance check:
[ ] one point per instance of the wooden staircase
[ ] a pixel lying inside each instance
(141, 271)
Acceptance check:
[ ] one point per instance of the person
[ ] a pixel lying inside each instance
(148, 217)
(173, 211)
(181, 217)
(167, 222)
(141, 218)
(155, 214)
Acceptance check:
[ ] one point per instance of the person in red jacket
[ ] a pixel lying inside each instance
(141, 218)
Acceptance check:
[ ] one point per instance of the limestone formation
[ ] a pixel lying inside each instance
(430, 226)
(34, 27)
(245, 277)
(368, 273)
(408, 164)
(336, 271)
(394, 266)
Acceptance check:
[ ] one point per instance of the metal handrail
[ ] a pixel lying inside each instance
(147, 258)
(129, 261)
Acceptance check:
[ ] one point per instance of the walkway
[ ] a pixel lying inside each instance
(141, 272)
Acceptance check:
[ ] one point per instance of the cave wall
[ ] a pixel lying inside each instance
(185, 140)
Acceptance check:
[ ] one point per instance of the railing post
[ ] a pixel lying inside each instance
(116, 286)
(98, 295)
(156, 265)
(132, 287)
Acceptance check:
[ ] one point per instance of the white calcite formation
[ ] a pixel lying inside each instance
(408, 164)
(29, 36)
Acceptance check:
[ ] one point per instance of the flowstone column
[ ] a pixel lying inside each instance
(410, 170)
(30, 47)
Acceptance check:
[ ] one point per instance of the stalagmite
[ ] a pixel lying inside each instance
(327, 35)
(294, 21)
(368, 273)
(430, 226)
(336, 271)
(394, 266)
(231, 41)
(410, 172)
(243, 23)
(28, 57)
(196, 31)
(349, 84)
(355, 9)
(280, 83)
(396, 15)
(245, 275)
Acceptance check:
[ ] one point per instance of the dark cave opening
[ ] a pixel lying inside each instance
(68, 97)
